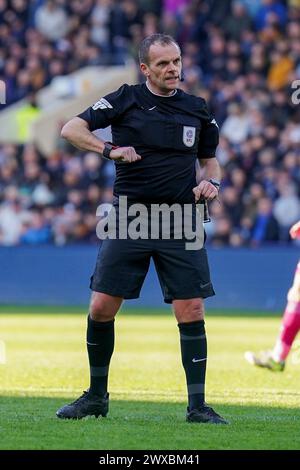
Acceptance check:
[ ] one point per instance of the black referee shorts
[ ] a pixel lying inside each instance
(122, 266)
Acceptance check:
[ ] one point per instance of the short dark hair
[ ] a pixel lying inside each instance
(163, 39)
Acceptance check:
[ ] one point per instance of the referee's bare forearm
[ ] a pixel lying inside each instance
(211, 167)
(77, 132)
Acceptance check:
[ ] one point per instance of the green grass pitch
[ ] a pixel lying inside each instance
(46, 367)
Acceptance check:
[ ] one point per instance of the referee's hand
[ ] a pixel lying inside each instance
(206, 190)
(125, 154)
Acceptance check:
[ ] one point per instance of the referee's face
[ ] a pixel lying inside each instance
(164, 69)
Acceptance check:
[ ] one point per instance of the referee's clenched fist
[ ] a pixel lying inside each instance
(125, 154)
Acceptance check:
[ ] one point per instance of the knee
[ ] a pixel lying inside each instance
(97, 310)
(189, 310)
(101, 308)
(294, 292)
(195, 312)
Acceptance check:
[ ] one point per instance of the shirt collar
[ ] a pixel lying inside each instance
(161, 96)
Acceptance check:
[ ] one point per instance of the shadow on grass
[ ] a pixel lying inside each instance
(30, 423)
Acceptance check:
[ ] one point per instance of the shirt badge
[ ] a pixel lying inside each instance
(189, 134)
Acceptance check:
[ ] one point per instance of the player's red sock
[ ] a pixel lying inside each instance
(289, 329)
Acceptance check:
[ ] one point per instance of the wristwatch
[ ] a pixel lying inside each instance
(216, 183)
(108, 147)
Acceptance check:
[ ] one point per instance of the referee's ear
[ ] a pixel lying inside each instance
(145, 69)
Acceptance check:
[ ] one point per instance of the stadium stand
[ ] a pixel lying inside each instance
(242, 56)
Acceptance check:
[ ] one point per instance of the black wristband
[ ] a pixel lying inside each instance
(216, 183)
(107, 149)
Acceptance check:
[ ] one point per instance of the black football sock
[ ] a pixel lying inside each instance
(194, 353)
(100, 346)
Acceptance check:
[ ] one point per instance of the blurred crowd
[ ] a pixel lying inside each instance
(240, 55)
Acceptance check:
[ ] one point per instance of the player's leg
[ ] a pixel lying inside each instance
(119, 274)
(290, 325)
(100, 339)
(190, 317)
(100, 346)
(185, 281)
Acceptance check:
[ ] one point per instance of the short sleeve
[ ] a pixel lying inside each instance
(109, 108)
(209, 135)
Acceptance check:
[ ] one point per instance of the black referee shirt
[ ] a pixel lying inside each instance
(169, 132)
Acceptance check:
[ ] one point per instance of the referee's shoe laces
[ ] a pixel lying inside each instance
(204, 414)
(86, 405)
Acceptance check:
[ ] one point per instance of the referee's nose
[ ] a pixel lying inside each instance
(172, 68)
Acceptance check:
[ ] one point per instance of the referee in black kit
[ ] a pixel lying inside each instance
(158, 133)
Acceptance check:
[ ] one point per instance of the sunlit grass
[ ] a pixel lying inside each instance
(47, 366)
